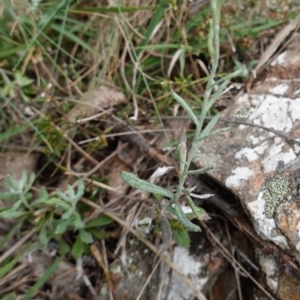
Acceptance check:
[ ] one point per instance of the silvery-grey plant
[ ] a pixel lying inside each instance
(214, 89)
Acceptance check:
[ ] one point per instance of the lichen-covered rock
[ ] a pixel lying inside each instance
(261, 167)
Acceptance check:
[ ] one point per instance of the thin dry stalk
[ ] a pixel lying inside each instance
(227, 253)
(17, 245)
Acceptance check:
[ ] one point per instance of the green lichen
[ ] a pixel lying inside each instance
(275, 192)
(243, 112)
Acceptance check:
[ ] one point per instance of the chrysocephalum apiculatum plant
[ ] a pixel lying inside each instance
(185, 157)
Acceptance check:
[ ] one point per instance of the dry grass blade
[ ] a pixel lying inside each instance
(97, 255)
(17, 245)
(267, 55)
(227, 253)
(148, 279)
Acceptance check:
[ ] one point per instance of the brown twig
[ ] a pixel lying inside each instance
(239, 122)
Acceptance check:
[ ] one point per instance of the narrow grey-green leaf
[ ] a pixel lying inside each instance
(185, 106)
(210, 134)
(144, 185)
(11, 214)
(200, 171)
(210, 125)
(216, 95)
(195, 209)
(189, 226)
(62, 226)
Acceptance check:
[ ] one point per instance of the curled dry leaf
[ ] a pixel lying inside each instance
(95, 101)
(205, 196)
(116, 181)
(160, 172)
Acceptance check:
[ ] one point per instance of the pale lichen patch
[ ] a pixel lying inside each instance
(248, 153)
(270, 268)
(251, 154)
(240, 174)
(273, 112)
(256, 139)
(280, 89)
(298, 230)
(276, 154)
(263, 225)
(280, 59)
(189, 267)
(298, 247)
(294, 110)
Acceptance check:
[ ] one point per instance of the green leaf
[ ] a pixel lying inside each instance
(30, 181)
(62, 227)
(67, 215)
(107, 9)
(7, 90)
(181, 236)
(23, 180)
(78, 248)
(80, 189)
(157, 16)
(184, 220)
(12, 214)
(78, 224)
(43, 236)
(185, 106)
(74, 38)
(12, 196)
(99, 235)
(22, 80)
(10, 296)
(199, 212)
(215, 132)
(12, 51)
(12, 184)
(200, 171)
(85, 236)
(217, 94)
(70, 194)
(64, 248)
(56, 202)
(17, 225)
(62, 196)
(209, 126)
(98, 222)
(144, 185)
(5, 268)
(43, 197)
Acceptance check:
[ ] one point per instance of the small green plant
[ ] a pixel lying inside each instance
(19, 85)
(41, 212)
(185, 157)
(18, 193)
